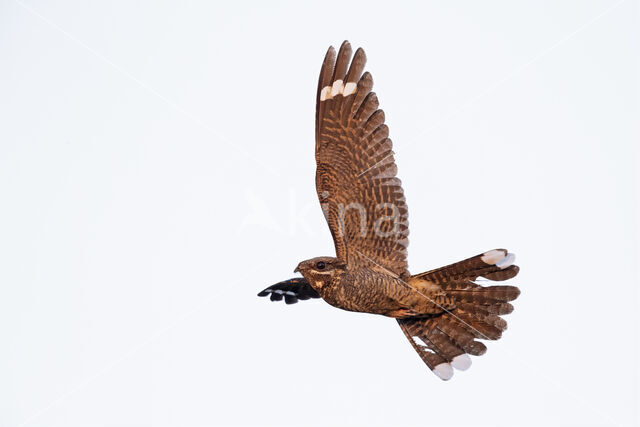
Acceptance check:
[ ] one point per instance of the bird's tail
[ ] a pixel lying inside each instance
(444, 341)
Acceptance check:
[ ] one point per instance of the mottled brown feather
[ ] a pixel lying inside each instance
(443, 312)
(355, 166)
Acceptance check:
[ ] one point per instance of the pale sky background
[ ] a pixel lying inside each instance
(157, 171)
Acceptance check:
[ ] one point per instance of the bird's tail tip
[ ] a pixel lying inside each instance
(445, 341)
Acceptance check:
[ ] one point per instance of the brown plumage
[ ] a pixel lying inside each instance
(443, 312)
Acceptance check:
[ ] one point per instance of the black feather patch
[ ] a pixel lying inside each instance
(291, 290)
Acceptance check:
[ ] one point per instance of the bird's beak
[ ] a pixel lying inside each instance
(297, 270)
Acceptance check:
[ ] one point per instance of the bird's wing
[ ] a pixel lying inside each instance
(291, 290)
(360, 195)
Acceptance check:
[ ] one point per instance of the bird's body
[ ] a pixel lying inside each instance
(374, 290)
(442, 312)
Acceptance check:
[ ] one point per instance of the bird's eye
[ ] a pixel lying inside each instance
(320, 265)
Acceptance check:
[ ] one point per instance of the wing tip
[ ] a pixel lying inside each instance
(331, 52)
(335, 78)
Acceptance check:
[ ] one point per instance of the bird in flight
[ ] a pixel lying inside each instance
(443, 312)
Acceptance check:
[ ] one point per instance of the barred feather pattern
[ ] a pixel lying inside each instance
(443, 312)
(445, 340)
(356, 167)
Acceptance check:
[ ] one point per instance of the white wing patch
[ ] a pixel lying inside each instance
(325, 93)
(338, 88)
(349, 88)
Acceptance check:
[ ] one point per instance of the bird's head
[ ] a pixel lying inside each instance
(321, 271)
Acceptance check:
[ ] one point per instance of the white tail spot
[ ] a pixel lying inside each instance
(444, 371)
(507, 261)
(349, 88)
(493, 257)
(419, 341)
(462, 362)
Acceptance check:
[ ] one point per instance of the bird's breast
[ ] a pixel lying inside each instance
(369, 293)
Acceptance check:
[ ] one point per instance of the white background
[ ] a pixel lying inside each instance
(157, 171)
